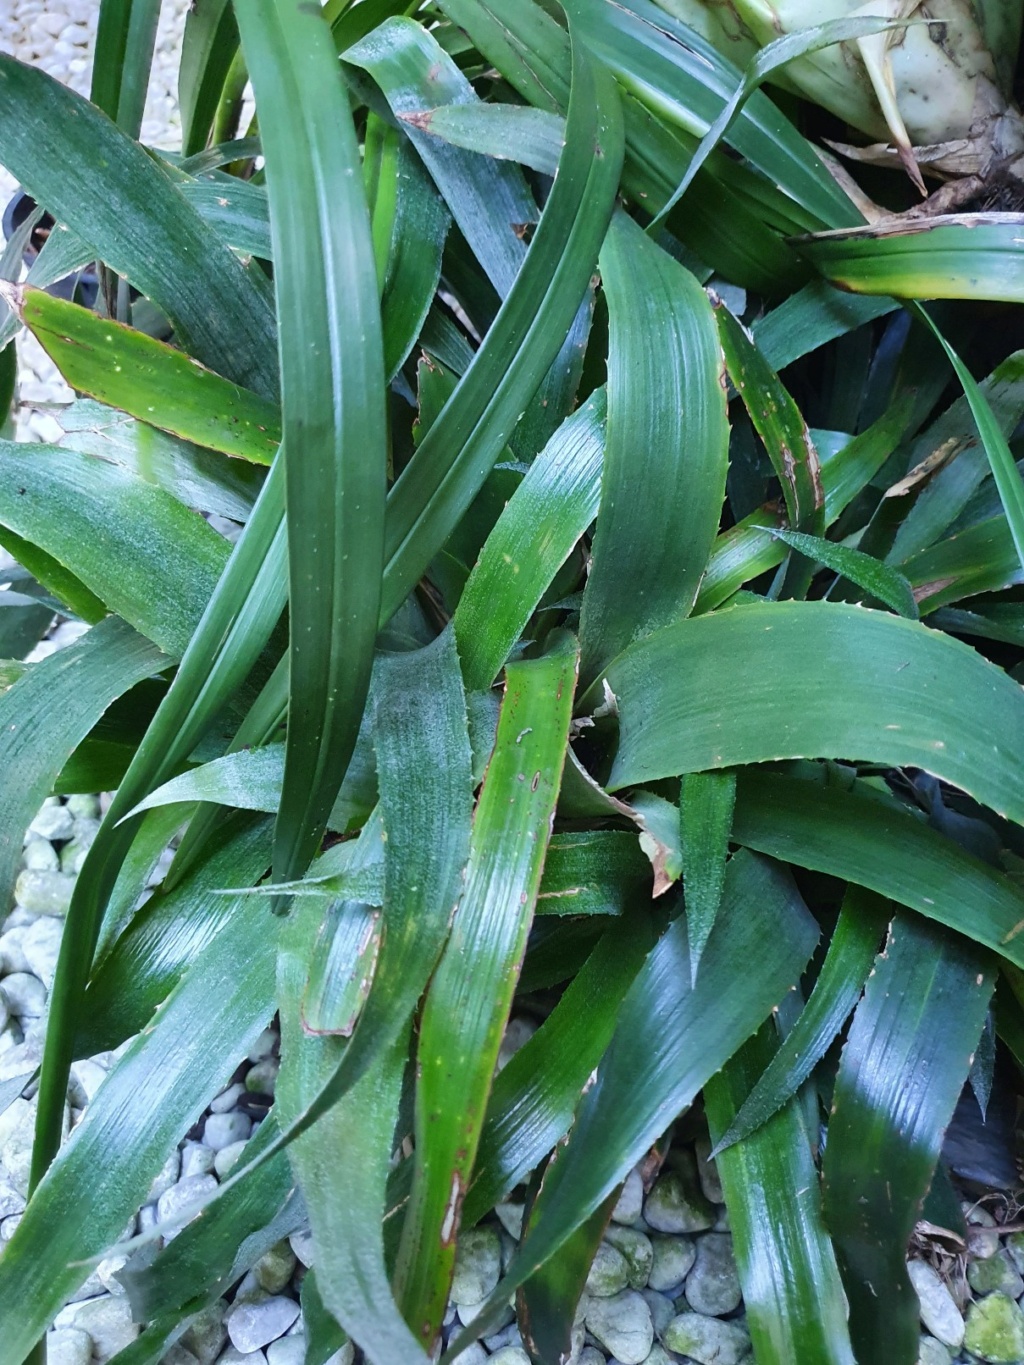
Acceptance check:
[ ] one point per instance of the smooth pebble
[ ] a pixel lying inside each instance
(181, 1196)
(609, 1272)
(68, 1346)
(939, 1312)
(708, 1341)
(477, 1266)
(44, 893)
(108, 1320)
(673, 1258)
(676, 1203)
(53, 822)
(623, 1325)
(223, 1130)
(713, 1286)
(252, 1325)
(630, 1203)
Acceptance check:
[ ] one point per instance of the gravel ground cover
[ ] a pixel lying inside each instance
(663, 1287)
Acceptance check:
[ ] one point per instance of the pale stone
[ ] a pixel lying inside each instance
(713, 1286)
(68, 1346)
(630, 1203)
(223, 1130)
(227, 1158)
(609, 1272)
(635, 1247)
(108, 1320)
(673, 1257)
(477, 1265)
(252, 1325)
(622, 1324)
(708, 1341)
(939, 1312)
(676, 1203)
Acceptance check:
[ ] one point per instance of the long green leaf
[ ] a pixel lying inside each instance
(770, 58)
(227, 640)
(125, 38)
(1004, 469)
(669, 1039)
(426, 801)
(471, 991)
(816, 679)
(982, 558)
(778, 422)
(153, 1096)
(110, 192)
(814, 316)
(663, 481)
(751, 546)
(197, 1265)
(548, 1301)
(680, 75)
(47, 714)
(855, 941)
(171, 932)
(876, 842)
(197, 477)
(533, 537)
(456, 455)
(209, 46)
(332, 382)
(346, 1207)
(536, 1092)
(791, 1288)
(901, 1073)
(146, 557)
(953, 434)
(705, 822)
(487, 199)
(150, 380)
(876, 578)
(417, 227)
(970, 256)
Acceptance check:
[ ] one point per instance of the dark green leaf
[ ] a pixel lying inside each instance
(470, 994)
(875, 841)
(670, 1038)
(816, 679)
(109, 191)
(876, 578)
(125, 38)
(778, 422)
(902, 1070)
(50, 710)
(855, 940)
(533, 537)
(663, 481)
(456, 455)
(333, 412)
(791, 1289)
(536, 1092)
(705, 817)
(153, 561)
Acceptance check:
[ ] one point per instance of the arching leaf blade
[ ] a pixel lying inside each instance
(821, 680)
(905, 1062)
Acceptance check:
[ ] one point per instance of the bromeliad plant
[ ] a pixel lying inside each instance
(566, 658)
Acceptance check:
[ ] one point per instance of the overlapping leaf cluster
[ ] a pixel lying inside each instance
(622, 666)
